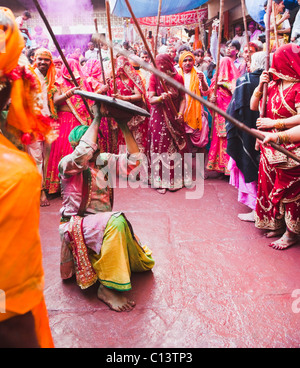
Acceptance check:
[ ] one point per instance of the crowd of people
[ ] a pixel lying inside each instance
(66, 136)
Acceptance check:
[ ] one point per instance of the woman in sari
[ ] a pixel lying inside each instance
(278, 197)
(130, 87)
(93, 73)
(167, 136)
(71, 113)
(228, 74)
(283, 27)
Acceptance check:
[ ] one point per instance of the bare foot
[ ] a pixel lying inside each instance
(287, 240)
(246, 216)
(44, 202)
(161, 190)
(274, 233)
(115, 300)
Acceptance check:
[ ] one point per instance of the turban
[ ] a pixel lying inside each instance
(184, 55)
(42, 52)
(76, 134)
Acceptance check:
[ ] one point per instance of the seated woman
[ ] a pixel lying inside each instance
(102, 242)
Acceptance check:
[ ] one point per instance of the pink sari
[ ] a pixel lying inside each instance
(138, 125)
(93, 73)
(66, 122)
(217, 157)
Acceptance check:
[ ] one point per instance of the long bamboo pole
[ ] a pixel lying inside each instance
(275, 26)
(267, 66)
(149, 52)
(245, 26)
(157, 27)
(42, 14)
(111, 50)
(100, 53)
(221, 15)
(206, 103)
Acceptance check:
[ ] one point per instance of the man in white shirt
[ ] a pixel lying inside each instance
(92, 52)
(20, 22)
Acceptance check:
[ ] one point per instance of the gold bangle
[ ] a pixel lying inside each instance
(180, 114)
(283, 138)
(257, 93)
(280, 124)
(160, 99)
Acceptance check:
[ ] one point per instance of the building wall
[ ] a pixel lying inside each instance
(83, 20)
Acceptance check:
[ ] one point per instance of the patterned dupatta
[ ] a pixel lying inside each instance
(177, 131)
(228, 75)
(281, 103)
(124, 67)
(92, 71)
(75, 103)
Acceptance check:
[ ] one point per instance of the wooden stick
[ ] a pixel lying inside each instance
(150, 53)
(275, 26)
(206, 103)
(218, 59)
(245, 25)
(267, 67)
(42, 14)
(157, 27)
(100, 53)
(111, 49)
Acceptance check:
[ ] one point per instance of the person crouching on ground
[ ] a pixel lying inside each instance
(102, 242)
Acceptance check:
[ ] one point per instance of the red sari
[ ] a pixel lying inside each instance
(278, 197)
(66, 122)
(166, 136)
(138, 125)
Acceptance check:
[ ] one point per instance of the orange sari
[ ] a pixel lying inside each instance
(22, 275)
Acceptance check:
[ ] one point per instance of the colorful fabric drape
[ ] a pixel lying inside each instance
(217, 157)
(50, 78)
(22, 275)
(65, 83)
(166, 135)
(193, 110)
(278, 197)
(11, 43)
(138, 125)
(25, 109)
(93, 73)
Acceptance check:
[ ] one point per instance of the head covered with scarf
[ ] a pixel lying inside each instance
(24, 113)
(93, 73)
(165, 63)
(193, 111)
(65, 83)
(286, 63)
(123, 66)
(76, 134)
(228, 74)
